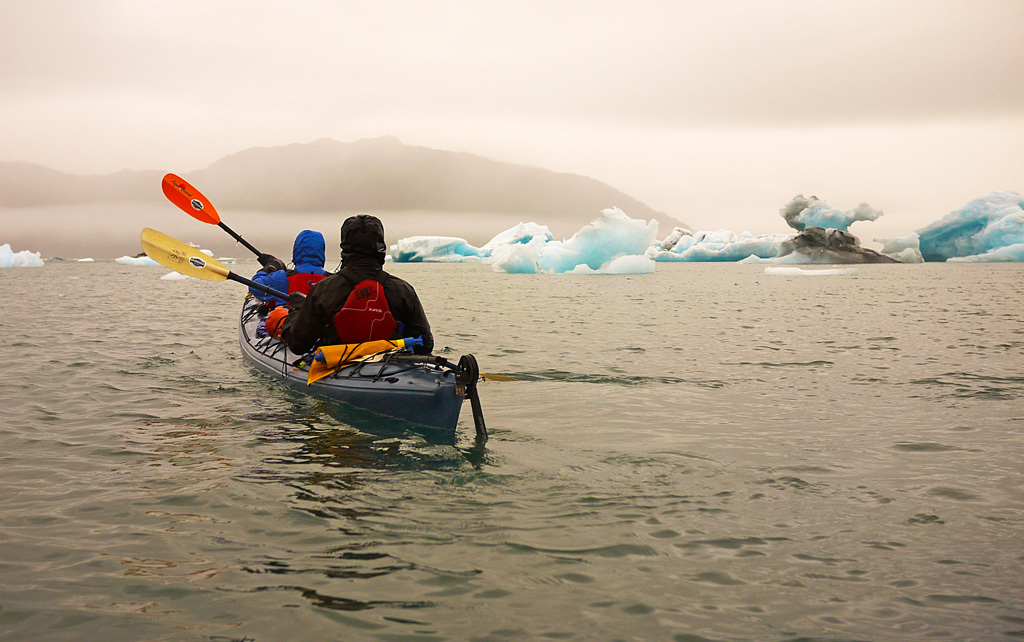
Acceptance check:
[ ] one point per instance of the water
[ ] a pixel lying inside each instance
(703, 453)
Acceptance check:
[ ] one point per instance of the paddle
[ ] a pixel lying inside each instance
(192, 202)
(172, 253)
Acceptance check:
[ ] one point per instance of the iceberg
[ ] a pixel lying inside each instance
(822, 238)
(990, 228)
(519, 235)
(613, 243)
(438, 249)
(135, 260)
(723, 245)
(801, 213)
(145, 260)
(1010, 253)
(9, 258)
(598, 248)
(906, 249)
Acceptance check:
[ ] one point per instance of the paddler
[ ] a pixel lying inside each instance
(308, 257)
(361, 302)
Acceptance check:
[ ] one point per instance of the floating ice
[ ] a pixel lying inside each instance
(175, 276)
(795, 271)
(823, 239)
(986, 229)
(906, 249)
(614, 243)
(441, 249)
(598, 248)
(135, 260)
(723, 245)
(9, 258)
(626, 264)
(519, 235)
(145, 260)
(1009, 253)
(84, 260)
(801, 213)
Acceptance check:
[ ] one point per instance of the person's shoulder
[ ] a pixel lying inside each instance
(386, 278)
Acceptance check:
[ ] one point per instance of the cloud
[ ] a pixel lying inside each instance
(772, 97)
(682, 63)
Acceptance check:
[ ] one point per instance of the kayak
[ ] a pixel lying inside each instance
(426, 390)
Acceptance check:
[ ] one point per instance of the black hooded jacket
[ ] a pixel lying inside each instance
(362, 257)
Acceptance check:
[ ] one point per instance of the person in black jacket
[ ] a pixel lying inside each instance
(312, 322)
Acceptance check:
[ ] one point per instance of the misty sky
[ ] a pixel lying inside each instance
(716, 113)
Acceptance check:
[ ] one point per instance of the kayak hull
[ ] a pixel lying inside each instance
(421, 393)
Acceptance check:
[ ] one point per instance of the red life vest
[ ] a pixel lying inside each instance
(303, 282)
(366, 315)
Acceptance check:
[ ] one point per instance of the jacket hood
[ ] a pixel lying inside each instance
(309, 250)
(363, 236)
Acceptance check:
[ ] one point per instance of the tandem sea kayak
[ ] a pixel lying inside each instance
(426, 390)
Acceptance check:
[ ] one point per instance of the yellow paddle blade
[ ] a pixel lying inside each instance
(172, 253)
(318, 370)
(337, 355)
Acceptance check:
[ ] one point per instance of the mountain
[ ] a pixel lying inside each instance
(30, 185)
(371, 175)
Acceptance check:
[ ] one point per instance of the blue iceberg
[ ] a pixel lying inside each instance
(990, 228)
(614, 243)
(801, 213)
(435, 249)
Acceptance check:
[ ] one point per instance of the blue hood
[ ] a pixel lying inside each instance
(308, 255)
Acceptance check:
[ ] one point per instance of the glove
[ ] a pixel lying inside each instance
(270, 263)
(295, 300)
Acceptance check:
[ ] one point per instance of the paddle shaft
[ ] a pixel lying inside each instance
(256, 286)
(191, 201)
(238, 238)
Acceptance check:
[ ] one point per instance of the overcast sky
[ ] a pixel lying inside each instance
(716, 113)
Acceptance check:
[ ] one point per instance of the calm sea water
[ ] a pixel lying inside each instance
(703, 453)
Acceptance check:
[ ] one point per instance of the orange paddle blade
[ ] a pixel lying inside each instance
(189, 199)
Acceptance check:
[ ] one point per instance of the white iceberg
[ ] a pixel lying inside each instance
(145, 260)
(906, 249)
(720, 246)
(10, 258)
(135, 260)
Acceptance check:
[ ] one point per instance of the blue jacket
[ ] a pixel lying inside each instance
(308, 257)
